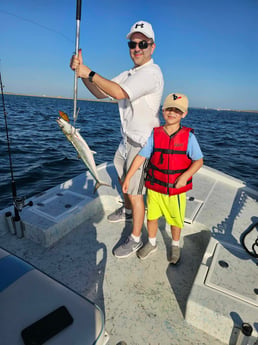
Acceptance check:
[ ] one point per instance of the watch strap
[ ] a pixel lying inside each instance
(91, 75)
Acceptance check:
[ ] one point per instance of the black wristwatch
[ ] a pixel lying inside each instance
(91, 75)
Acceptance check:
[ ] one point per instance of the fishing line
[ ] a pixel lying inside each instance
(37, 24)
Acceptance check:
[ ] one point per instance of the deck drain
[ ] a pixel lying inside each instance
(68, 206)
(223, 264)
(40, 204)
(59, 194)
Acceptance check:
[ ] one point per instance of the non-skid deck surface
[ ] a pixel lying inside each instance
(144, 302)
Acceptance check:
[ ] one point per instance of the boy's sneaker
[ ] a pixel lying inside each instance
(120, 215)
(129, 247)
(146, 250)
(174, 255)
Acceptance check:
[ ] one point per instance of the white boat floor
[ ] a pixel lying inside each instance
(143, 301)
(147, 302)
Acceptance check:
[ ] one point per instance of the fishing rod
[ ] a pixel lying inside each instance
(16, 210)
(77, 39)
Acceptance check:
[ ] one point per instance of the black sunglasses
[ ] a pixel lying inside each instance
(141, 44)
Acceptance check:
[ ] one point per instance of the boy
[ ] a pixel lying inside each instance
(175, 156)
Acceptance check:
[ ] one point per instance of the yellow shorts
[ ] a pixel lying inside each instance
(171, 207)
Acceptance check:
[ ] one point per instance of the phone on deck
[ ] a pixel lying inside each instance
(51, 324)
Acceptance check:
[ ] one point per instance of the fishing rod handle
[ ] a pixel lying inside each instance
(78, 10)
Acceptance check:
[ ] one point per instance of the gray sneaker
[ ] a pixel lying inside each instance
(127, 248)
(174, 255)
(146, 250)
(119, 215)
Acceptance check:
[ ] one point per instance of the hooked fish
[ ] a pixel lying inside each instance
(84, 152)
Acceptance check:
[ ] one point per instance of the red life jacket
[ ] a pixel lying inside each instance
(169, 160)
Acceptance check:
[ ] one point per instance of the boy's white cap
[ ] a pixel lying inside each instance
(143, 27)
(176, 100)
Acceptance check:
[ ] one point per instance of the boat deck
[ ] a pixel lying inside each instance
(149, 302)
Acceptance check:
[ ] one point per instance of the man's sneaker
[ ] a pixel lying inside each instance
(146, 250)
(174, 255)
(129, 247)
(120, 215)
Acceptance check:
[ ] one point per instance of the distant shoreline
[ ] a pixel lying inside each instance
(61, 97)
(114, 101)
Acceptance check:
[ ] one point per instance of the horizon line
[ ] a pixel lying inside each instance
(115, 101)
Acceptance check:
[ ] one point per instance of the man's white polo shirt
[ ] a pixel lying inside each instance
(140, 113)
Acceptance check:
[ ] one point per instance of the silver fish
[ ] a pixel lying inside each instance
(84, 152)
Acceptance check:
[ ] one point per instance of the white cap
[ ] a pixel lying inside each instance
(143, 27)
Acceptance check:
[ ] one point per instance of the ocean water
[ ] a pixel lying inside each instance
(42, 157)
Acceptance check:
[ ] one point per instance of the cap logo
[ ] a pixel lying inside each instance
(140, 25)
(175, 97)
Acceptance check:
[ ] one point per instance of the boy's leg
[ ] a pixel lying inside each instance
(175, 232)
(150, 247)
(177, 205)
(152, 226)
(174, 255)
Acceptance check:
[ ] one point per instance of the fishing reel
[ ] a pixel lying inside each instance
(19, 203)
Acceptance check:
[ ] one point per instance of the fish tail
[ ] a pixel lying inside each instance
(64, 116)
(99, 184)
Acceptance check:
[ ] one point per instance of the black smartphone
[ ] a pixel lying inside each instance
(51, 324)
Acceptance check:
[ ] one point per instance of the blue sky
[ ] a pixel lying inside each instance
(206, 49)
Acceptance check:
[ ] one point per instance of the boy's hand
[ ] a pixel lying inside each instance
(180, 182)
(194, 167)
(125, 185)
(137, 162)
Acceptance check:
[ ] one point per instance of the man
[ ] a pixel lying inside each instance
(139, 93)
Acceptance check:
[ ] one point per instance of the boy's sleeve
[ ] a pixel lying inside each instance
(194, 151)
(147, 149)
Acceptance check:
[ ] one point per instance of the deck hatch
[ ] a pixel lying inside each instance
(57, 206)
(223, 274)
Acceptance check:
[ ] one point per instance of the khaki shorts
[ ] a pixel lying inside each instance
(122, 165)
(171, 207)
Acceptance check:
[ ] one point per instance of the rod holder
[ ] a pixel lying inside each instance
(19, 228)
(9, 221)
(244, 334)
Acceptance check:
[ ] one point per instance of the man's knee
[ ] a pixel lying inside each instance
(135, 199)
